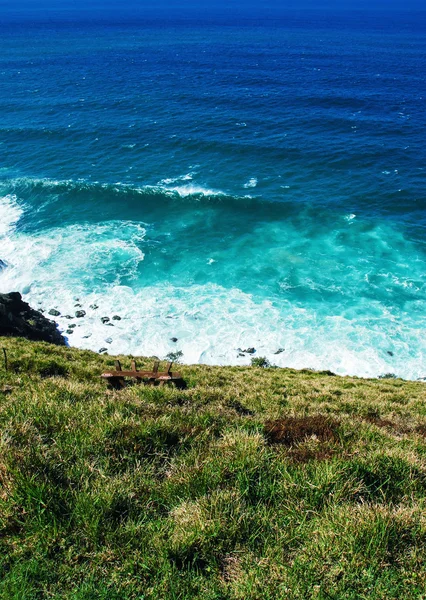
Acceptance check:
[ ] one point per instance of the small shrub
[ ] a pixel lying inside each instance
(174, 356)
(388, 376)
(261, 362)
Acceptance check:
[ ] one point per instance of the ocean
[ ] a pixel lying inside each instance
(226, 183)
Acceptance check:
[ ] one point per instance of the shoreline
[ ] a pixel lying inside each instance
(87, 317)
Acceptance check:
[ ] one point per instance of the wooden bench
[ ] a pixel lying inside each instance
(116, 379)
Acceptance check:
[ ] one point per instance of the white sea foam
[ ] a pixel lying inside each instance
(251, 183)
(212, 322)
(350, 217)
(180, 186)
(10, 213)
(194, 190)
(169, 180)
(74, 257)
(102, 264)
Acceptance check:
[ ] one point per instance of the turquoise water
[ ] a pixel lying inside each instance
(231, 185)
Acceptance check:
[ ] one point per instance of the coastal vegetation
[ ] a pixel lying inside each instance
(252, 483)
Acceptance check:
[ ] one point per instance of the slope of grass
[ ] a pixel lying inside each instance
(250, 484)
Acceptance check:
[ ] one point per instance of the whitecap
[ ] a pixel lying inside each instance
(251, 183)
(194, 190)
(73, 258)
(169, 180)
(10, 213)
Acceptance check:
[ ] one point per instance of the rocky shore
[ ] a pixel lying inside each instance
(18, 319)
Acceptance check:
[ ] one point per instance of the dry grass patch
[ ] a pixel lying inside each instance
(290, 431)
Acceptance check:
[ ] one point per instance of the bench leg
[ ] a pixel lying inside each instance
(117, 382)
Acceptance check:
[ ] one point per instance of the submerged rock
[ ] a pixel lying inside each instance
(54, 312)
(94, 306)
(116, 318)
(3, 264)
(174, 339)
(103, 350)
(279, 351)
(18, 319)
(69, 331)
(105, 320)
(250, 350)
(80, 313)
(86, 337)
(109, 340)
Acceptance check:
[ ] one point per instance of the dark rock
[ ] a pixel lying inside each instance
(103, 350)
(69, 317)
(3, 264)
(250, 350)
(279, 351)
(116, 318)
(241, 354)
(94, 306)
(174, 339)
(54, 312)
(105, 320)
(109, 340)
(390, 352)
(77, 305)
(86, 337)
(18, 319)
(72, 326)
(80, 313)
(109, 325)
(69, 331)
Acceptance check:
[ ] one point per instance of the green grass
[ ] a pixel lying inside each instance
(253, 483)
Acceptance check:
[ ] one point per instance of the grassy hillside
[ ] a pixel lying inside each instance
(250, 484)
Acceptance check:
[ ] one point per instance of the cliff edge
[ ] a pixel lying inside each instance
(17, 318)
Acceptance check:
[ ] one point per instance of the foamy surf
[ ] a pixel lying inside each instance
(101, 269)
(251, 183)
(213, 325)
(193, 190)
(10, 213)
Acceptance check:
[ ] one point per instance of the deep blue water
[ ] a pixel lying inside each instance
(233, 184)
